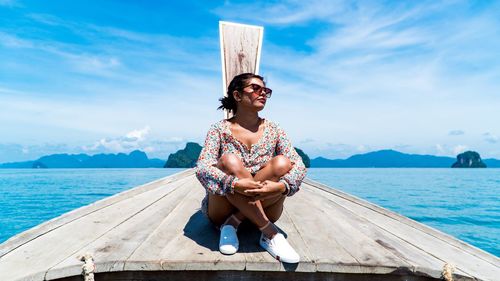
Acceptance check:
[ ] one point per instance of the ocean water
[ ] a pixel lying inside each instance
(462, 202)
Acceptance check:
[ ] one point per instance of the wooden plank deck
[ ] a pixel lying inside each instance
(156, 231)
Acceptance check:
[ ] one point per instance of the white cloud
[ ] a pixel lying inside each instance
(131, 141)
(374, 51)
(12, 41)
(148, 149)
(78, 60)
(114, 53)
(332, 150)
(155, 148)
(16, 152)
(362, 148)
(307, 140)
(138, 135)
(137, 140)
(459, 149)
(377, 74)
(389, 75)
(440, 149)
(456, 133)
(491, 138)
(282, 13)
(93, 64)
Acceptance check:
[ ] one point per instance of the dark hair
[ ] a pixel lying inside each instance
(238, 82)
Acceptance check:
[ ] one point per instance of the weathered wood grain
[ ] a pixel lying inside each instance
(115, 246)
(240, 48)
(395, 216)
(240, 51)
(351, 251)
(432, 242)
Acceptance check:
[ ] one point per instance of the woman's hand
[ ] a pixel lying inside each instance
(268, 190)
(245, 184)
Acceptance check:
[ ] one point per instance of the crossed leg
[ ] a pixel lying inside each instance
(259, 212)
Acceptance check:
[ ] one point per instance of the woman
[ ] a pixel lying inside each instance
(248, 166)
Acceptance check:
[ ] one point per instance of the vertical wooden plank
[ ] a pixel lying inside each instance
(241, 46)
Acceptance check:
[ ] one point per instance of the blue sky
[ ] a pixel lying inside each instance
(348, 77)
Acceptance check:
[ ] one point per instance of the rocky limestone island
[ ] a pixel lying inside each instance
(305, 157)
(469, 159)
(184, 158)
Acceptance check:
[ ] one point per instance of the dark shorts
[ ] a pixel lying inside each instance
(204, 205)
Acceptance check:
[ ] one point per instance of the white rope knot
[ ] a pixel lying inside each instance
(448, 272)
(88, 267)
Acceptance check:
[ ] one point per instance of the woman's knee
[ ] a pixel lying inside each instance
(281, 165)
(229, 163)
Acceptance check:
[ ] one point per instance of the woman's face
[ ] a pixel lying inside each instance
(248, 97)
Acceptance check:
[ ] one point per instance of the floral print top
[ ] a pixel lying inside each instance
(220, 140)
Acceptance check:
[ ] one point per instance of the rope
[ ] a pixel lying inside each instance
(88, 267)
(448, 272)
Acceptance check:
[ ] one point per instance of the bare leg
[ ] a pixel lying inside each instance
(273, 170)
(219, 208)
(260, 212)
(275, 209)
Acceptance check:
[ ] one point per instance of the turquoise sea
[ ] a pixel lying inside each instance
(462, 202)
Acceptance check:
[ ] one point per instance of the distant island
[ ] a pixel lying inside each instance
(305, 157)
(469, 159)
(135, 159)
(187, 157)
(184, 158)
(396, 159)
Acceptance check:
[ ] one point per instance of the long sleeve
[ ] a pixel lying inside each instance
(294, 177)
(212, 178)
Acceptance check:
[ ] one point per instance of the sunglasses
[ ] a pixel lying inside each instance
(259, 90)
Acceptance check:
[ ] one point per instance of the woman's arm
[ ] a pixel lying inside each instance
(294, 177)
(212, 178)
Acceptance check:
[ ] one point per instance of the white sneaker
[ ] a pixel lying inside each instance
(228, 243)
(279, 248)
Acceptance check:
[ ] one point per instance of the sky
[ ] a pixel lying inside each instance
(348, 77)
